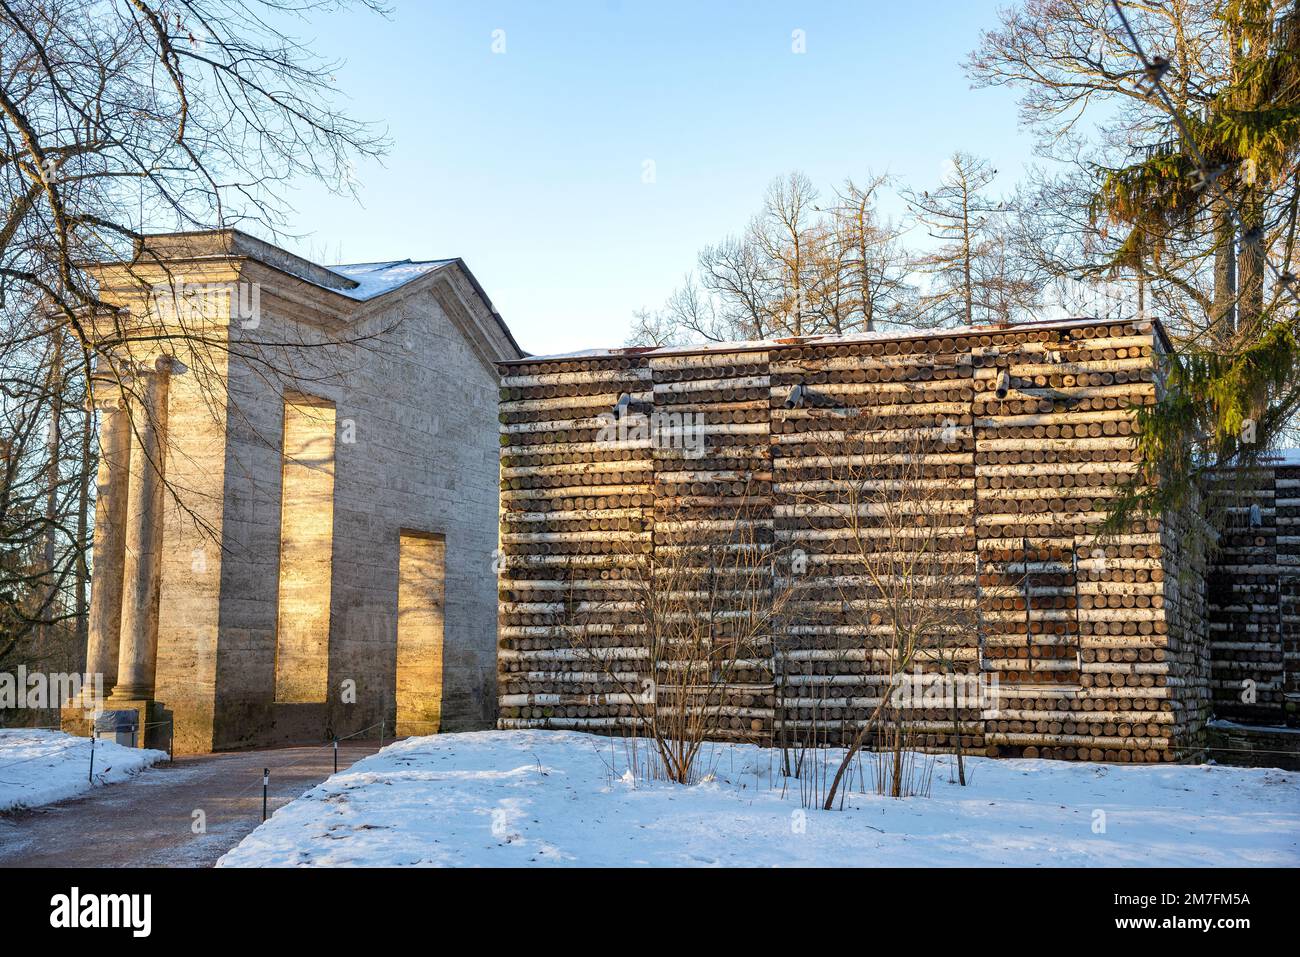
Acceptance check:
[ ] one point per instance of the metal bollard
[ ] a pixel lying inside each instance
(266, 780)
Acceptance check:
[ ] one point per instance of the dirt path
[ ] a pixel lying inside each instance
(148, 821)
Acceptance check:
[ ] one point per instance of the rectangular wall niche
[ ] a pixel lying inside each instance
(306, 550)
(421, 593)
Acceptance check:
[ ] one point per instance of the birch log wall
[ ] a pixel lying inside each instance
(1287, 486)
(574, 508)
(1099, 648)
(712, 454)
(1254, 596)
(834, 664)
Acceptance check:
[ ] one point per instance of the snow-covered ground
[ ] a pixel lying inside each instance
(39, 767)
(519, 798)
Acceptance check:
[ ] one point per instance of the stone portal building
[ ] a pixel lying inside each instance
(297, 497)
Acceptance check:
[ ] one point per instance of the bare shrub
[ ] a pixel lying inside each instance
(886, 505)
(705, 602)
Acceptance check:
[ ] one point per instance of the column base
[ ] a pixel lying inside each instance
(152, 718)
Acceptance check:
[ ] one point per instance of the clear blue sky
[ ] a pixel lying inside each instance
(529, 163)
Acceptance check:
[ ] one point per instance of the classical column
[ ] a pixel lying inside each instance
(110, 541)
(142, 569)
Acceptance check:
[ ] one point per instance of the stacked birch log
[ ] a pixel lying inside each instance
(1187, 654)
(1252, 595)
(1287, 503)
(576, 506)
(1083, 650)
(713, 482)
(875, 404)
(1098, 646)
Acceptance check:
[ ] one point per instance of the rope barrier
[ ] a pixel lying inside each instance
(154, 724)
(330, 743)
(313, 749)
(1294, 754)
(47, 754)
(377, 724)
(36, 727)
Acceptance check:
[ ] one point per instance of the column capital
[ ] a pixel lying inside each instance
(107, 391)
(169, 365)
(104, 404)
(159, 365)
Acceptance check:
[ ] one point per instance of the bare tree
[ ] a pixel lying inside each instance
(890, 508)
(44, 477)
(1085, 95)
(785, 235)
(120, 118)
(798, 268)
(971, 277)
(690, 314)
(870, 259)
(1176, 121)
(705, 602)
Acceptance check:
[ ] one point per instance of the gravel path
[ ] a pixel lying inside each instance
(149, 821)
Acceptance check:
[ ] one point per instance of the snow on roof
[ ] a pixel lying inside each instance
(754, 345)
(375, 279)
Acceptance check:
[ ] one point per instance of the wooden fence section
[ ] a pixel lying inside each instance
(1082, 648)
